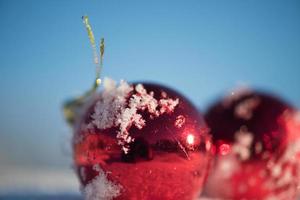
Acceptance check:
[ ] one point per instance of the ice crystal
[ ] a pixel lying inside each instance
(119, 106)
(111, 102)
(243, 142)
(180, 121)
(244, 110)
(100, 188)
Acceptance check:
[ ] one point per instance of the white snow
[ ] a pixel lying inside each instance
(244, 110)
(100, 188)
(114, 110)
(111, 101)
(242, 145)
(180, 121)
(168, 105)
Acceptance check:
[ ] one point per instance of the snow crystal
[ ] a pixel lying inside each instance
(97, 168)
(244, 110)
(276, 171)
(100, 188)
(243, 143)
(112, 100)
(168, 105)
(109, 84)
(227, 166)
(180, 121)
(113, 110)
(286, 178)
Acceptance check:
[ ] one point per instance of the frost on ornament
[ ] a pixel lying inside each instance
(147, 141)
(100, 188)
(256, 140)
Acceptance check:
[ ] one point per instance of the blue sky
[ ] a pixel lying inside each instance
(201, 48)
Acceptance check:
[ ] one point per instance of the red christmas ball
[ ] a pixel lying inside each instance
(140, 141)
(256, 141)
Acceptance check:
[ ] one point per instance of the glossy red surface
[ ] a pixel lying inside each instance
(264, 123)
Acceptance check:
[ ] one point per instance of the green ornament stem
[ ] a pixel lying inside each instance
(73, 107)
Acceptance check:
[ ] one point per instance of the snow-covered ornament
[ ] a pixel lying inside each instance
(256, 139)
(137, 141)
(149, 140)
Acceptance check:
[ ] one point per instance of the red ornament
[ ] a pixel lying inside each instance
(256, 140)
(140, 141)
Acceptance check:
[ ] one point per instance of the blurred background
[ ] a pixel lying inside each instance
(201, 48)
